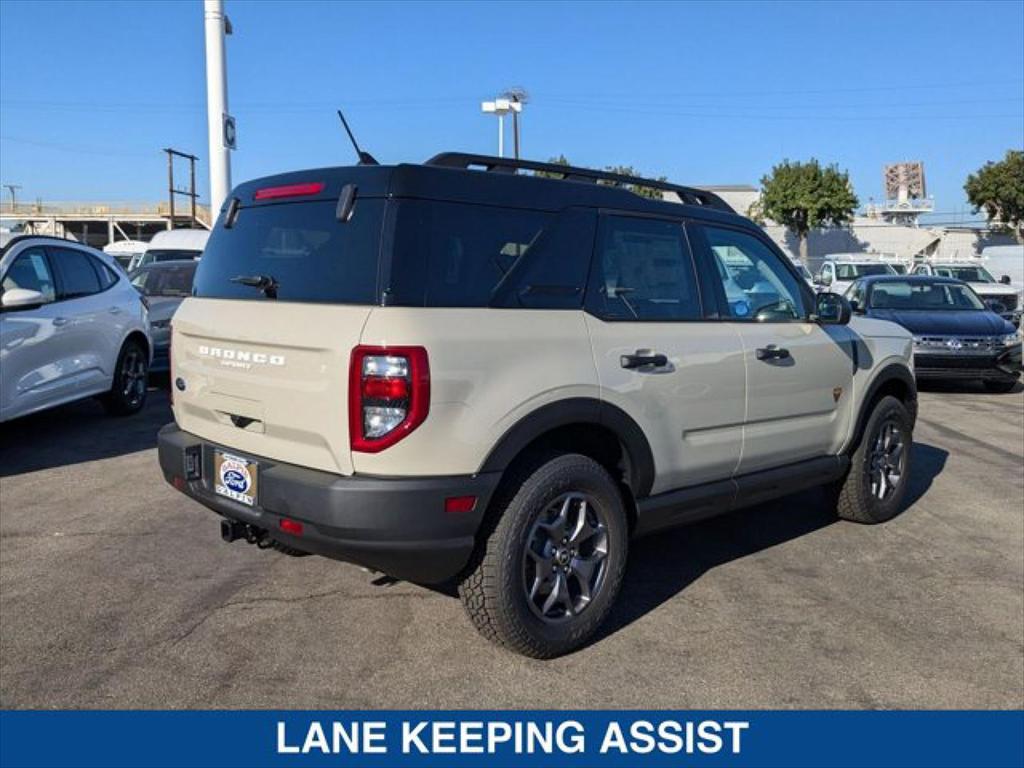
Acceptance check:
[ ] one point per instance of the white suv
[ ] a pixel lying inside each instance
(459, 371)
(71, 326)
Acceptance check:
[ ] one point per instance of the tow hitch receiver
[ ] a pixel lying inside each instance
(232, 530)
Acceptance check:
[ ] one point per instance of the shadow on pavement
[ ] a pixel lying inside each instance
(662, 566)
(79, 432)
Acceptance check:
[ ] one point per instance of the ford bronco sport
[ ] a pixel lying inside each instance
(498, 372)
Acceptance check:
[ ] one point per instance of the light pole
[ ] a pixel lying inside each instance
(501, 107)
(220, 125)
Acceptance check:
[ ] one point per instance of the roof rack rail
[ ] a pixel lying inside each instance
(689, 195)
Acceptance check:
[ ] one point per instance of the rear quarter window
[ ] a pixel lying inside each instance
(302, 246)
(456, 254)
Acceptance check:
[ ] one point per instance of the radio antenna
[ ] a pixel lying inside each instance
(365, 158)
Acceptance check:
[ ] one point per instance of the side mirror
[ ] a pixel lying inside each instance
(1005, 279)
(21, 298)
(832, 309)
(855, 307)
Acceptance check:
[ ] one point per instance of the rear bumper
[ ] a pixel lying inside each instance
(394, 525)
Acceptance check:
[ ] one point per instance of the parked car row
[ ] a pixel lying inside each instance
(1002, 296)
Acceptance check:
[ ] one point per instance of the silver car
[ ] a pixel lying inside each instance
(165, 284)
(71, 326)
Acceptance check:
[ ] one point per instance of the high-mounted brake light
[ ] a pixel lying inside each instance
(289, 190)
(388, 395)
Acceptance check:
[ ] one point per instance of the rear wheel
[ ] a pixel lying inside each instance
(127, 394)
(551, 567)
(1000, 387)
(876, 484)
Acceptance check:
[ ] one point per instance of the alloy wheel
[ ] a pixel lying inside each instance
(887, 460)
(565, 561)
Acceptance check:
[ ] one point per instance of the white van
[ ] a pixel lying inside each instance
(172, 245)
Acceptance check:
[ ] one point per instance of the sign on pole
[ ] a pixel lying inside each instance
(228, 132)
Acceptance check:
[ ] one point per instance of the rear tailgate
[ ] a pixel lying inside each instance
(280, 298)
(267, 378)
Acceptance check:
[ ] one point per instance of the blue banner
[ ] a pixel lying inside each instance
(494, 739)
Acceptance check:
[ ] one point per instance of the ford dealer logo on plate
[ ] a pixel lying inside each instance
(235, 478)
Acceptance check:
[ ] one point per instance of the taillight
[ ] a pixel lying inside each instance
(388, 395)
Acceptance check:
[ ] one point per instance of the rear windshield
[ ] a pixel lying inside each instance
(170, 254)
(853, 271)
(169, 280)
(308, 254)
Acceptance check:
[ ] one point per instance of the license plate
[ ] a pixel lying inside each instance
(235, 477)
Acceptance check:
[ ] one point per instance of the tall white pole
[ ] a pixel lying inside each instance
(216, 104)
(501, 135)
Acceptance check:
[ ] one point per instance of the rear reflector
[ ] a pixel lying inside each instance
(460, 504)
(294, 527)
(289, 190)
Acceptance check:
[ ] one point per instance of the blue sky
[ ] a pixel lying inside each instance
(704, 93)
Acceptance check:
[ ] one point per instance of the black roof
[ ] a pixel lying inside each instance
(489, 180)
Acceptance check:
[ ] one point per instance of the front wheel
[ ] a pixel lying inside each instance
(550, 569)
(127, 393)
(876, 484)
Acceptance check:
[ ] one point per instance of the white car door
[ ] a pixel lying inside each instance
(36, 353)
(659, 359)
(799, 374)
(95, 321)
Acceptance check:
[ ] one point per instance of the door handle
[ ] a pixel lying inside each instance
(59, 321)
(772, 352)
(642, 358)
(115, 310)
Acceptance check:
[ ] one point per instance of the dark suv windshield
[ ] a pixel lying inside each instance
(926, 296)
(301, 247)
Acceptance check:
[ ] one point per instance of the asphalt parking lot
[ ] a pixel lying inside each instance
(115, 591)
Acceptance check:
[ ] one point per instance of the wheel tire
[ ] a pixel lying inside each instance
(494, 588)
(1000, 387)
(127, 393)
(858, 498)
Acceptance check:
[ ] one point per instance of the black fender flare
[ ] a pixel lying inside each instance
(888, 373)
(579, 410)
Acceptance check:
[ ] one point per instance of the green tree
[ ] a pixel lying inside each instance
(622, 170)
(998, 187)
(805, 196)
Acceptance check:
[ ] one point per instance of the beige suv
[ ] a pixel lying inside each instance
(498, 372)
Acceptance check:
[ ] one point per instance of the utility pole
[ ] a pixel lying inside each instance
(172, 190)
(518, 97)
(220, 125)
(13, 188)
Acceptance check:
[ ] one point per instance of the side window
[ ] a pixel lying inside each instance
(78, 276)
(107, 276)
(31, 271)
(756, 282)
(643, 270)
(456, 255)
